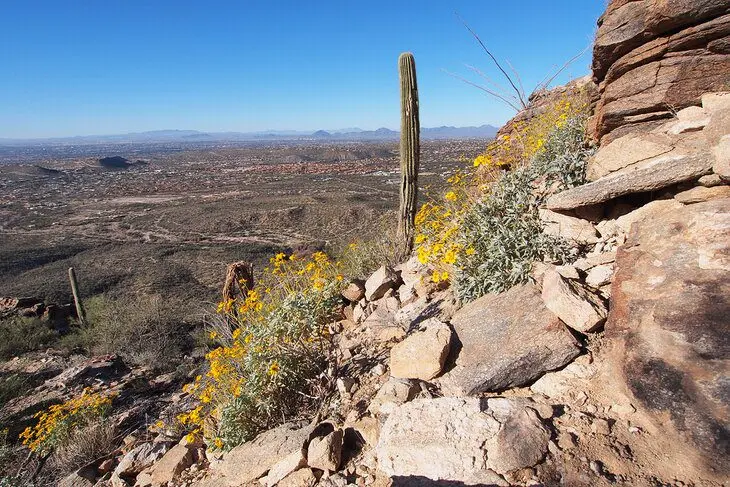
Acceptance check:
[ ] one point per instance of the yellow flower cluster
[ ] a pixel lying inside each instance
(438, 221)
(273, 327)
(56, 422)
(525, 138)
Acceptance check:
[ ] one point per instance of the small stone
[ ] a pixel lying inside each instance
(568, 227)
(710, 180)
(596, 467)
(568, 272)
(573, 304)
(634, 430)
(345, 385)
(172, 464)
(422, 355)
(623, 409)
(354, 291)
(566, 441)
(301, 478)
(601, 426)
(106, 466)
(379, 283)
(369, 429)
(698, 194)
(391, 394)
(326, 453)
(291, 463)
(378, 370)
(599, 276)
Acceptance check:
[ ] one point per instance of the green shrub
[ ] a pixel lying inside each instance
(503, 229)
(12, 386)
(143, 330)
(20, 335)
(272, 346)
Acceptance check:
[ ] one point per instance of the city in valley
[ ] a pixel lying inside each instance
(166, 218)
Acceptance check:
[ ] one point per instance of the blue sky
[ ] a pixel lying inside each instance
(114, 66)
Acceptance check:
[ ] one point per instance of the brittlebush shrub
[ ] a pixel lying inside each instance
(57, 424)
(273, 345)
(484, 233)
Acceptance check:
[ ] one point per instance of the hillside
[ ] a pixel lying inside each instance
(563, 318)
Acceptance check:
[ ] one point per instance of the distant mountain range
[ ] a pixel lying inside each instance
(484, 131)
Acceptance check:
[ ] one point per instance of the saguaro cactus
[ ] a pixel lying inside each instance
(410, 129)
(77, 300)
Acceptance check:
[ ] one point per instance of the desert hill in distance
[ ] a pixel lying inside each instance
(349, 134)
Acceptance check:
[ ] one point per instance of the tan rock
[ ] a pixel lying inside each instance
(83, 477)
(649, 211)
(301, 478)
(326, 453)
(290, 463)
(718, 127)
(626, 151)
(568, 272)
(710, 180)
(393, 393)
(721, 152)
(669, 329)
(369, 429)
(380, 282)
(654, 174)
(568, 227)
(691, 119)
(699, 194)
(171, 465)
(139, 458)
(251, 460)
(354, 291)
(576, 306)
(422, 355)
(716, 101)
(507, 340)
(461, 439)
(599, 275)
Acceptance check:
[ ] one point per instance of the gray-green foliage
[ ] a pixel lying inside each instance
(504, 227)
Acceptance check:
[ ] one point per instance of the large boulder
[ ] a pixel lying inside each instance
(668, 329)
(653, 57)
(465, 440)
(507, 340)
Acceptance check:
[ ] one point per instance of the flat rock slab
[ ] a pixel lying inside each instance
(669, 328)
(467, 440)
(507, 340)
(255, 458)
(654, 174)
(626, 151)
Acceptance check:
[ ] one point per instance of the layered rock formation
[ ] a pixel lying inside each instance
(652, 58)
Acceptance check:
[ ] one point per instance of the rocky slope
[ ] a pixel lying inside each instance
(609, 371)
(612, 370)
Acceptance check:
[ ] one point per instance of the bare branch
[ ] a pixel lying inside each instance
(486, 90)
(520, 94)
(486, 78)
(517, 75)
(568, 63)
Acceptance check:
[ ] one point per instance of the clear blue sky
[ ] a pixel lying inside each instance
(114, 66)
